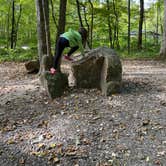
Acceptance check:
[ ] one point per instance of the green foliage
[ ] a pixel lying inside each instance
(17, 54)
(27, 33)
(150, 52)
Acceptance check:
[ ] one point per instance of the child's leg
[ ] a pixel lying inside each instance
(61, 44)
(72, 50)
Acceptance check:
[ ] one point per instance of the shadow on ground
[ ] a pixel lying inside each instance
(137, 86)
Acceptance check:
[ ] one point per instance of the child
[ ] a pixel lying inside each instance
(72, 39)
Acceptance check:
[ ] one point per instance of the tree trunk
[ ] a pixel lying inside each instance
(157, 22)
(61, 23)
(17, 26)
(79, 13)
(42, 47)
(13, 26)
(140, 24)
(145, 30)
(62, 19)
(163, 44)
(116, 26)
(109, 25)
(45, 4)
(53, 14)
(128, 26)
(7, 28)
(86, 22)
(91, 27)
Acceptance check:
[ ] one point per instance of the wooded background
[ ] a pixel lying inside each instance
(126, 26)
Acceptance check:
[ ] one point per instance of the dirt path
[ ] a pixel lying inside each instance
(84, 128)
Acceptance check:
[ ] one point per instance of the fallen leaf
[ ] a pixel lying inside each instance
(96, 118)
(146, 122)
(70, 151)
(39, 154)
(114, 154)
(37, 139)
(43, 123)
(41, 145)
(48, 135)
(11, 141)
(162, 153)
(86, 141)
(147, 159)
(56, 160)
(53, 145)
(21, 160)
(158, 162)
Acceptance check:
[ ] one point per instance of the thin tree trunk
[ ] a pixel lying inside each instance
(61, 23)
(62, 18)
(45, 5)
(116, 31)
(145, 29)
(53, 14)
(79, 13)
(109, 25)
(17, 26)
(140, 24)
(87, 24)
(163, 44)
(7, 28)
(13, 26)
(129, 26)
(157, 24)
(91, 28)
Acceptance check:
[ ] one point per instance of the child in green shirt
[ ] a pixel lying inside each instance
(72, 39)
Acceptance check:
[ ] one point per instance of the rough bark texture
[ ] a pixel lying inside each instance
(42, 47)
(163, 45)
(101, 68)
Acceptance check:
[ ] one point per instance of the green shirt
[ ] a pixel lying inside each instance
(74, 39)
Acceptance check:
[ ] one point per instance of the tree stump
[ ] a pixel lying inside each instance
(32, 66)
(55, 85)
(101, 68)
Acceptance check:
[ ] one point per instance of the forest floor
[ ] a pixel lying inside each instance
(83, 127)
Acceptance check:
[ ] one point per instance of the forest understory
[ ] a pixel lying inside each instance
(83, 127)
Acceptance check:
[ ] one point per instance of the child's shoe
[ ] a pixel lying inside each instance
(68, 58)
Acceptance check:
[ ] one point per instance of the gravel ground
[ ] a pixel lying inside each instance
(84, 128)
